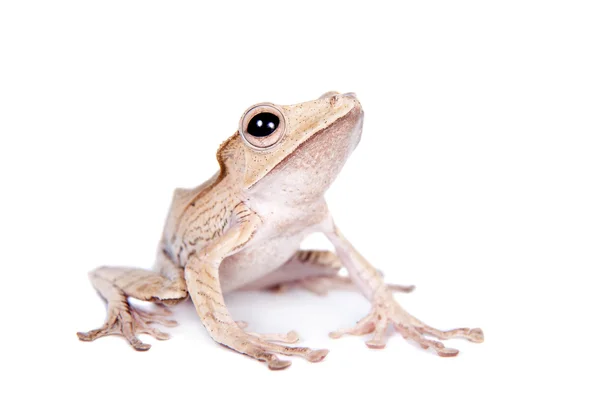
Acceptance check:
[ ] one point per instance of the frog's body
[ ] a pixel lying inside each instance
(243, 229)
(277, 240)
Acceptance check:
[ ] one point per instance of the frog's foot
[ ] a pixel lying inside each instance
(322, 285)
(128, 321)
(387, 311)
(262, 348)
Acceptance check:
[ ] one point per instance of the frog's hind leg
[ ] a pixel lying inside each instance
(317, 271)
(166, 286)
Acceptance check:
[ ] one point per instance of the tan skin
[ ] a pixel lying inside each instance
(242, 229)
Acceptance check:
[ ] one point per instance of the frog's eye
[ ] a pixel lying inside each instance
(262, 126)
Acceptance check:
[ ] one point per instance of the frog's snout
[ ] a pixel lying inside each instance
(356, 103)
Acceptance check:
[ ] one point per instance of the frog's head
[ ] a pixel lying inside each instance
(298, 148)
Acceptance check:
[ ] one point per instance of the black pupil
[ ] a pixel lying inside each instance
(263, 124)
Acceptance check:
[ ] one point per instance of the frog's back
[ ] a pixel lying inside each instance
(184, 204)
(199, 215)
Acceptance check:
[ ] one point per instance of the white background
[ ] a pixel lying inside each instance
(477, 179)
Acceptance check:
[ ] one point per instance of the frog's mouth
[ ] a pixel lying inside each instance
(358, 128)
(356, 133)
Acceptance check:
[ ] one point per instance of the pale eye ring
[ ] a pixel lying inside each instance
(262, 126)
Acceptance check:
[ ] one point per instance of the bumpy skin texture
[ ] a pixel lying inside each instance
(242, 229)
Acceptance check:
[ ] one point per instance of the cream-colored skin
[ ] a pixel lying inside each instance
(242, 230)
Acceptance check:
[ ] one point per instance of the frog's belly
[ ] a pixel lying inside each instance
(257, 261)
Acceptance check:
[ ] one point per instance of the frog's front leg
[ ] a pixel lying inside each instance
(202, 278)
(116, 284)
(385, 310)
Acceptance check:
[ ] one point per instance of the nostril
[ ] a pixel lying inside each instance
(329, 94)
(334, 99)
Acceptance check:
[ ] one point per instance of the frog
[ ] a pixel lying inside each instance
(242, 230)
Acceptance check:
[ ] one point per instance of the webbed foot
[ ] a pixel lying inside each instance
(262, 348)
(128, 321)
(386, 311)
